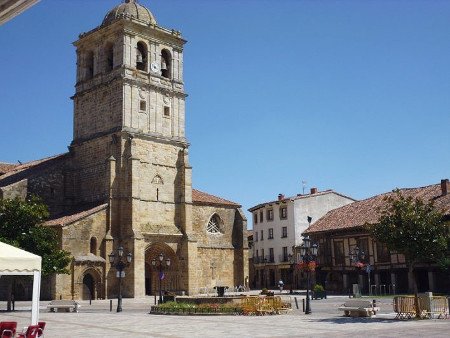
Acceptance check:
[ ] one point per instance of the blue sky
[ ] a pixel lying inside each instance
(346, 95)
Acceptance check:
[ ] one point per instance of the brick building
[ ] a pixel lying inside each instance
(126, 180)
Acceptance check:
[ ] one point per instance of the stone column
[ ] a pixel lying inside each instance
(361, 282)
(345, 282)
(393, 282)
(411, 281)
(431, 281)
(138, 268)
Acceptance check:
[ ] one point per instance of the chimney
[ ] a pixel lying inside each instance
(313, 191)
(445, 186)
(280, 197)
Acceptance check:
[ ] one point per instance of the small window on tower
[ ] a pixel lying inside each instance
(143, 105)
(166, 111)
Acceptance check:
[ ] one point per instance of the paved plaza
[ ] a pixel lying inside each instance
(97, 321)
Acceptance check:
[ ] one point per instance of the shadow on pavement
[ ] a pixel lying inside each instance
(354, 320)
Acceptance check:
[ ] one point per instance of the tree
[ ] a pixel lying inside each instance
(413, 228)
(21, 225)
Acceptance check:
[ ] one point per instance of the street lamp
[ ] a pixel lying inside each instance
(119, 264)
(160, 261)
(309, 255)
(358, 257)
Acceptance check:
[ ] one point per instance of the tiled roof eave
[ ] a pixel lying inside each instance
(70, 219)
(334, 230)
(228, 205)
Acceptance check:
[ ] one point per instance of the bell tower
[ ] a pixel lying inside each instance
(129, 54)
(129, 147)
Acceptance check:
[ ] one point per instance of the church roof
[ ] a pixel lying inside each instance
(75, 215)
(130, 9)
(356, 214)
(5, 167)
(201, 197)
(21, 171)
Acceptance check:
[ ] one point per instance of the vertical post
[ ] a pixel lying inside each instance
(36, 297)
(110, 305)
(308, 305)
(119, 297)
(160, 291)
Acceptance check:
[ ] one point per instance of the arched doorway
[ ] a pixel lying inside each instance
(171, 275)
(88, 287)
(91, 285)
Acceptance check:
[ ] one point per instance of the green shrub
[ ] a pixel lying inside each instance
(318, 288)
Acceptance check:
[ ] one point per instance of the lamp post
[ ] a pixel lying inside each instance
(160, 261)
(309, 255)
(357, 257)
(117, 261)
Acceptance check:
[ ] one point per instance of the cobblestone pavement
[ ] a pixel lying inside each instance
(97, 321)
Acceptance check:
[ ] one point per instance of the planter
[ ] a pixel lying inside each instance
(194, 311)
(319, 295)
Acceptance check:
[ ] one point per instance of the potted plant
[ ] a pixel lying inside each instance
(319, 292)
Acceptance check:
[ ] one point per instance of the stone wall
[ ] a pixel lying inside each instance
(15, 190)
(76, 238)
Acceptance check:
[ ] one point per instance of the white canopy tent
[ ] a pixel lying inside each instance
(15, 261)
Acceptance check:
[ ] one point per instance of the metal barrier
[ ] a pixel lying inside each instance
(429, 306)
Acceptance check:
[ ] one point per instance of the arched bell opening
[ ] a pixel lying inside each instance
(141, 56)
(166, 64)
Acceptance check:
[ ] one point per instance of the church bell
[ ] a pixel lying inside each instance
(139, 57)
(163, 64)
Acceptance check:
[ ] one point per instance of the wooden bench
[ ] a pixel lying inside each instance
(66, 305)
(359, 308)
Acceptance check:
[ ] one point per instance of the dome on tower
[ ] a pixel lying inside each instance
(130, 9)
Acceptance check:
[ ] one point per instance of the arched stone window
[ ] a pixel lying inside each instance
(141, 56)
(93, 246)
(109, 57)
(89, 65)
(213, 226)
(166, 63)
(157, 180)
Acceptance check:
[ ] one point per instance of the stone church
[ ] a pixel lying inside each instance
(126, 179)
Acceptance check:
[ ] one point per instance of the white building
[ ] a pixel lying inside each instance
(277, 228)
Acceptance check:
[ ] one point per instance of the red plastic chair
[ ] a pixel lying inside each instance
(31, 332)
(8, 329)
(41, 329)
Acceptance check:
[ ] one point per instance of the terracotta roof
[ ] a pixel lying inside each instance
(299, 196)
(204, 198)
(24, 170)
(358, 213)
(74, 216)
(5, 167)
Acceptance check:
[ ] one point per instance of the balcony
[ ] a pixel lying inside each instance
(263, 260)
